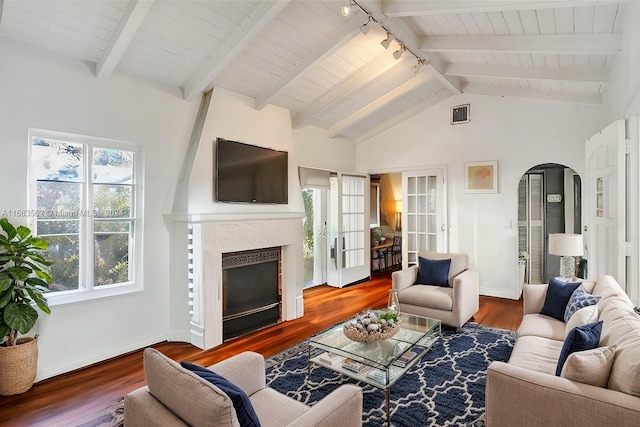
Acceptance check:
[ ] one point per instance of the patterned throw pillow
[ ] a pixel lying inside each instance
(579, 299)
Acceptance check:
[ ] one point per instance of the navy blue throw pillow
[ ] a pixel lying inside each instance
(583, 337)
(244, 410)
(433, 271)
(558, 295)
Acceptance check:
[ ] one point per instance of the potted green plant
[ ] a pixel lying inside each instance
(24, 277)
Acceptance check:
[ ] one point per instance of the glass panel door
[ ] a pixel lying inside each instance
(424, 217)
(348, 236)
(314, 246)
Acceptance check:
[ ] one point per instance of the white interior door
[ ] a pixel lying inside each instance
(348, 229)
(605, 240)
(424, 218)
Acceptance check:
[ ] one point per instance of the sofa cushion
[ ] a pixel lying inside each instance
(241, 403)
(539, 325)
(433, 271)
(536, 354)
(192, 399)
(608, 287)
(583, 337)
(558, 295)
(584, 315)
(438, 297)
(579, 299)
(459, 262)
(590, 366)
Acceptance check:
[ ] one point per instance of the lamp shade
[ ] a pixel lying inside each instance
(398, 205)
(566, 244)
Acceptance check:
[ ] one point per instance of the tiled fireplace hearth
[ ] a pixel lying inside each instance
(210, 238)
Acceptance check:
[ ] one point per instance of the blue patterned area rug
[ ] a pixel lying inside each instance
(446, 388)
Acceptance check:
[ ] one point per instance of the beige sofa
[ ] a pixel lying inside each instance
(452, 305)
(526, 392)
(177, 397)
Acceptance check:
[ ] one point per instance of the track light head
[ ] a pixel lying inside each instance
(386, 42)
(364, 28)
(346, 9)
(398, 53)
(416, 68)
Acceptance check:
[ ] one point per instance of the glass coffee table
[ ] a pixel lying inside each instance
(380, 363)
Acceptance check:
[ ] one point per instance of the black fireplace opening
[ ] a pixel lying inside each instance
(251, 297)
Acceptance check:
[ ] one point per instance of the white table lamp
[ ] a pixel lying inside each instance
(567, 246)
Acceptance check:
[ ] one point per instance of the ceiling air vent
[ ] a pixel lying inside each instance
(460, 114)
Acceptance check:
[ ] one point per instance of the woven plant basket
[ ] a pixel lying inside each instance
(19, 366)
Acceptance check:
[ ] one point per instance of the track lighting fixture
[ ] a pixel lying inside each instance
(386, 42)
(364, 28)
(346, 9)
(398, 53)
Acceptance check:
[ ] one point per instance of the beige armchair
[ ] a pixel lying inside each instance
(175, 396)
(453, 305)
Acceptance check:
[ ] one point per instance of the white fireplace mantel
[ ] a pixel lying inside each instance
(213, 235)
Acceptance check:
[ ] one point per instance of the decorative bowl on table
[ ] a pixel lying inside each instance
(372, 326)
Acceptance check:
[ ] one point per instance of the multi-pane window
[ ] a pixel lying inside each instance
(85, 196)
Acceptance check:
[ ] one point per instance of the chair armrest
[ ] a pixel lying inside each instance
(342, 407)
(141, 409)
(533, 297)
(402, 279)
(466, 296)
(246, 370)
(522, 397)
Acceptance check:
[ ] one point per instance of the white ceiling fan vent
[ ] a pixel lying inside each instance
(460, 114)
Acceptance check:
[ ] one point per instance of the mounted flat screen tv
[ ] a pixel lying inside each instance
(250, 174)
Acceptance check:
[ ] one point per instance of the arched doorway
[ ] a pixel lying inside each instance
(549, 201)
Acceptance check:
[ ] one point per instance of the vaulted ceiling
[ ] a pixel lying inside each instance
(307, 57)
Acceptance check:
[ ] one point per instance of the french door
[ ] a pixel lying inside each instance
(424, 218)
(605, 232)
(315, 236)
(348, 230)
(613, 223)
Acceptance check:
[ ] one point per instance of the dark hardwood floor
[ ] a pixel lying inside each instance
(67, 400)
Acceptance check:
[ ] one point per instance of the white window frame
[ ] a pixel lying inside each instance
(86, 290)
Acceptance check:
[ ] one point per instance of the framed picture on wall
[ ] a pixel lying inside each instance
(481, 177)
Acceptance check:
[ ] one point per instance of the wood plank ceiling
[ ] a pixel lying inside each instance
(307, 57)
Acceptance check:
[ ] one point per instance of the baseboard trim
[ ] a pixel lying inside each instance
(500, 293)
(179, 335)
(45, 372)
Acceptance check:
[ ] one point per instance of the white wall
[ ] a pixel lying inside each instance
(315, 150)
(517, 132)
(39, 89)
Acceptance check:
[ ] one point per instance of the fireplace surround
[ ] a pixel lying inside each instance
(211, 236)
